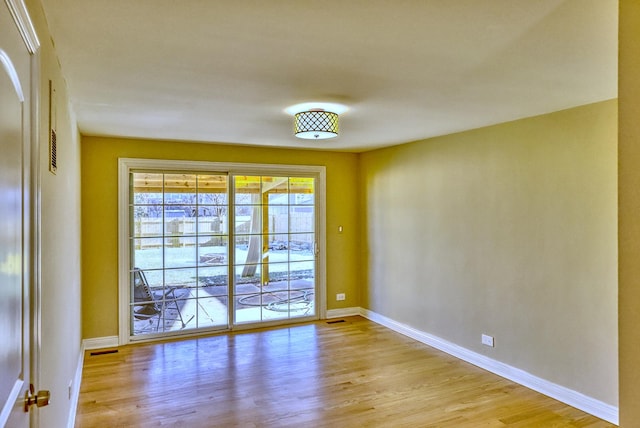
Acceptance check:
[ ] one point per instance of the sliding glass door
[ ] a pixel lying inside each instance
(275, 241)
(217, 250)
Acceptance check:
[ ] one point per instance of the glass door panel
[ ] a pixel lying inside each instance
(274, 248)
(179, 252)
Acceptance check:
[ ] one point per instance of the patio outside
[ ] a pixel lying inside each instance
(180, 241)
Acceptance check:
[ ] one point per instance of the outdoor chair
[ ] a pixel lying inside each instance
(151, 303)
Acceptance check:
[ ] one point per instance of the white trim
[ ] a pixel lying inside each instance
(36, 231)
(342, 312)
(568, 396)
(75, 389)
(11, 402)
(125, 165)
(21, 17)
(123, 251)
(12, 73)
(99, 343)
(321, 219)
(87, 344)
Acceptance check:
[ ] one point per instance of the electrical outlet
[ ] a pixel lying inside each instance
(487, 340)
(341, 296)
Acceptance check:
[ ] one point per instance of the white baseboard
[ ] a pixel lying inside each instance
(344, 312)
(87, 344)
(568, 396)
(5, 411)
(100, 342)
(75, 390)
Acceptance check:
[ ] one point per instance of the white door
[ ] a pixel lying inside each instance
(15, 226)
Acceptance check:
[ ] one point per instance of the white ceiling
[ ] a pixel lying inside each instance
(225, 70)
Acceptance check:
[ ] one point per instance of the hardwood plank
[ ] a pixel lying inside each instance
(349, 374)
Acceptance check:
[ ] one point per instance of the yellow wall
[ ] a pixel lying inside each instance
(508, 230)
(60, 239)
(100, 221)
(629, 210)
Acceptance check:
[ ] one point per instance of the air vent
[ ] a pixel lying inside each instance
(53, 148)
(105, 352)
(53, 139)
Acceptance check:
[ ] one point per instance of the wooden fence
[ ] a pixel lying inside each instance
(301, 226)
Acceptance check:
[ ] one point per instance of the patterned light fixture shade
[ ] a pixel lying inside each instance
(316, 125)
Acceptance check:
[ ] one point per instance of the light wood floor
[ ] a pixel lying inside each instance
(346, 374)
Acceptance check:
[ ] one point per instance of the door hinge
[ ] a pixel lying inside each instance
(41, 399)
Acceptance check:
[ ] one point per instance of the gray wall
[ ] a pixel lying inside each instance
(509, 230)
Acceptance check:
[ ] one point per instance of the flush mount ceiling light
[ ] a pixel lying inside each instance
(316, 125)
(316, 121)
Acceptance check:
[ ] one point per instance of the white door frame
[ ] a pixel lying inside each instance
(126, 165)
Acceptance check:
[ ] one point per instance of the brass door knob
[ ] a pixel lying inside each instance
(41, 399)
